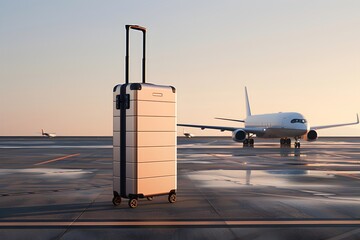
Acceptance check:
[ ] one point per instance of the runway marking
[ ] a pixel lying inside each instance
(57, 159)
(191, 223)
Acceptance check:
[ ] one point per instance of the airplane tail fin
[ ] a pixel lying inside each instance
(248, 110)
(42, 131)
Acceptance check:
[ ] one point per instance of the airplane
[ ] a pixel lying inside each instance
(49, 135)
(283, 125)
(188, 135)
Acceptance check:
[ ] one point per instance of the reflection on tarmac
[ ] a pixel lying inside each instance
(291, 152)
(272, 178)
(46, 172)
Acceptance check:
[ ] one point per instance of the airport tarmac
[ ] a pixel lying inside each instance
(61, 188)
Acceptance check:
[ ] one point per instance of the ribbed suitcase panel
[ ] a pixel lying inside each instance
(151, 186)
(151, 164)
(152, 169)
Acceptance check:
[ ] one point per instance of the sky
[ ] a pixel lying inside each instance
(59, 61)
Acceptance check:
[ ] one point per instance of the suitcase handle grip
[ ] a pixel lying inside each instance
(136, 27)
(143, 30)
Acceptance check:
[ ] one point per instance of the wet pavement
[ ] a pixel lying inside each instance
(61, 188)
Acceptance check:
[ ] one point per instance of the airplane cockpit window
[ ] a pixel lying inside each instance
(298, 121)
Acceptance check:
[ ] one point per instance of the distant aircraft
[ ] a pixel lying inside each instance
(283, 125)
(188, 135)
(49, 135)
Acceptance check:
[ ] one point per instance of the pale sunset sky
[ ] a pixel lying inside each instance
(59, 61)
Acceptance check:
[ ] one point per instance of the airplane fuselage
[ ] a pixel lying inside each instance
(278, 125)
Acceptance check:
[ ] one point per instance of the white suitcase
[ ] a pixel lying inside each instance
(144, 138)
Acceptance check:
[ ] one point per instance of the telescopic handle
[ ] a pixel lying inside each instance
(143, 30)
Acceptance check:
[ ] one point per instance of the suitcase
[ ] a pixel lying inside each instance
(144, 137)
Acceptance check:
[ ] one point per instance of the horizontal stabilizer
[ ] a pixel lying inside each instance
(229, 119)
(202, 127)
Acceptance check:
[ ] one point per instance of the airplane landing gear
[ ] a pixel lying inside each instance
(249, 142)
(297, 142)
(285, 142)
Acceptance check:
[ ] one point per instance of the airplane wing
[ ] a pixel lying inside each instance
(336, 125)
(223, 128)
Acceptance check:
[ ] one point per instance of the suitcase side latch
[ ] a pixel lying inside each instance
(126, 101)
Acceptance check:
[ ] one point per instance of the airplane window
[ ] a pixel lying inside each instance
(298, 121)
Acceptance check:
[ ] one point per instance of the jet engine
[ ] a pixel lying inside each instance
(239, 135)
(311, 135)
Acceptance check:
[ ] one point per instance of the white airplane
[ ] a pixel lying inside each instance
(283, 125)
(188, 135)
(49, 135)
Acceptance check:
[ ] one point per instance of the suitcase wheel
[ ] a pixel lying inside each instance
(133, 202)
(116, 200)
(172, 197)
(150, 198)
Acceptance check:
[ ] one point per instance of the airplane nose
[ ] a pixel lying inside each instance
(303, 128)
